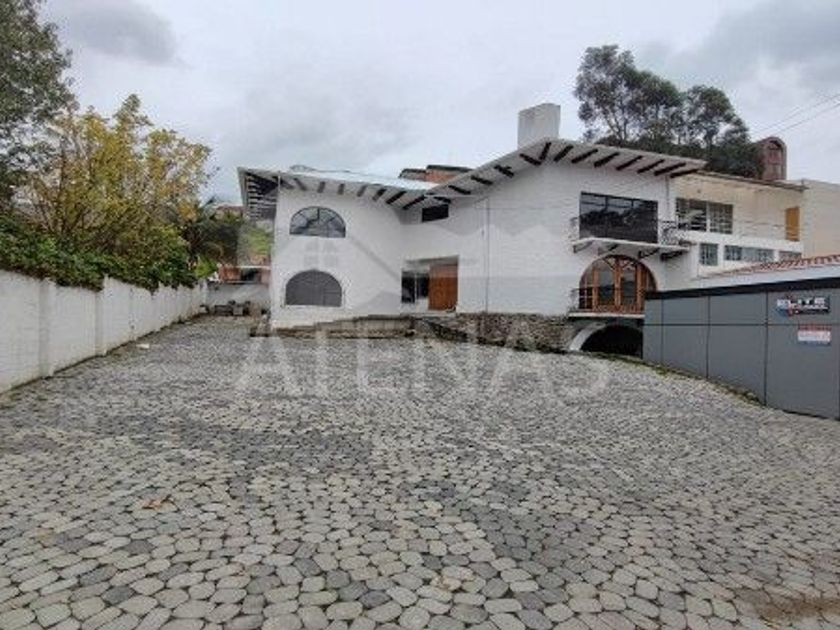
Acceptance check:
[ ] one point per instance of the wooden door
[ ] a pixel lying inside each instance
(792, 224)
(443, 287)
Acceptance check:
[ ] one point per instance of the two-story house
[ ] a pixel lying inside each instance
(557, 229)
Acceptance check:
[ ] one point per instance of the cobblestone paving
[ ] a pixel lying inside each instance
(218, 481)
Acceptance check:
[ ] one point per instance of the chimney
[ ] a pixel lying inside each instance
(773, 159)
(538, 122)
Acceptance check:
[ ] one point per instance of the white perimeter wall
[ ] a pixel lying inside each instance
(45, 327)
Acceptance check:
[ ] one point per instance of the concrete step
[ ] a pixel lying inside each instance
(370, 326)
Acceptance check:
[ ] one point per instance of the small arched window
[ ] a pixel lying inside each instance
(313, 288)
(317, 221)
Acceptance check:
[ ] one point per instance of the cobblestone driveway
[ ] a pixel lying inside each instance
(218, 481)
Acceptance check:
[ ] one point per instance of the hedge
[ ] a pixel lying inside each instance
(26, 249)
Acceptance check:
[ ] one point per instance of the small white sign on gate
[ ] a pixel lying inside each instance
(814, 335)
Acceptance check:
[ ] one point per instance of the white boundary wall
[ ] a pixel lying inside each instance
(45, 327)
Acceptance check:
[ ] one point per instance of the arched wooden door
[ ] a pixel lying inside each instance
(615, 284)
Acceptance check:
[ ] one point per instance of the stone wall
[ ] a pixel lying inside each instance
(519, 330)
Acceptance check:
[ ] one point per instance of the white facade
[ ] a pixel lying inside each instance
(512, 245)
(510, 229)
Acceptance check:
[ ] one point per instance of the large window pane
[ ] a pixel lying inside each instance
(621, 218)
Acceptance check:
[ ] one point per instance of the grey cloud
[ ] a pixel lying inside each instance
(119, 29)
(305, 121)
(803, 37)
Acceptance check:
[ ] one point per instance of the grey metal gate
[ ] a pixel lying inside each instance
(780, 341)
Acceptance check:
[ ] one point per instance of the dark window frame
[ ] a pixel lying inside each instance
(434, 213)
(317, 221)
(415, 286)
(622, 218)
(330, 293)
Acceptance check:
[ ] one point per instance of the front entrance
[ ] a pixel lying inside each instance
(443, 287)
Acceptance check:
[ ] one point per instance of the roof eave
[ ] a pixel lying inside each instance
(559, 150)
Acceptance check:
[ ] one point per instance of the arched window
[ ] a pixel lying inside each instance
(615, 284)
(313, 288)
(316, 221)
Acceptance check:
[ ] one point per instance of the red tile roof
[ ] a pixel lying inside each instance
(785, 265)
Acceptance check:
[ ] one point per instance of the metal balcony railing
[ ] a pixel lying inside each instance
(606, 299)
(657, 232)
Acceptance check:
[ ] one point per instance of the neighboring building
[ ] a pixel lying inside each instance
(821, 217)
(436, 173)
(735, 222)
(247, 281)
(558, 229)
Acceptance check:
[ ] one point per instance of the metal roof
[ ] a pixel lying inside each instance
(260, 187)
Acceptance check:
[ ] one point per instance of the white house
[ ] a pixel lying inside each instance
(556, 228)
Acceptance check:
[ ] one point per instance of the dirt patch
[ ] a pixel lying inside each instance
(791, 609)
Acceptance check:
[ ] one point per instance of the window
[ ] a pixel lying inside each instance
(249, 275)
(720, 218)
(415, 286)
(704, 216)
(709, 254)
(783, 255)
(434, 213)
(618, 217)
(756, 254)
(315, 221)
(615, 284)
(747, 254)
(313, 288)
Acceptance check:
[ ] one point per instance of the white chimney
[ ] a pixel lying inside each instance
(538, 122)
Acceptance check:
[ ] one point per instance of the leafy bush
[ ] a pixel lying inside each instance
(26, 249)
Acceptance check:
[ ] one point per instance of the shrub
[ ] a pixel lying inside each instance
(26, 249)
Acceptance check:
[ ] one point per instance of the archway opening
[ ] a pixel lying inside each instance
(313, 288)
(615, 284)
(615, 339)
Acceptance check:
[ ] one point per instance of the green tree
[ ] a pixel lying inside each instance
(116, 184)
(212, 237)
(625, 106)
(33, 87)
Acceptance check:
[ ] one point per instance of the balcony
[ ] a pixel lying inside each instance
(614, 232)
(739, 228)
(606, 301)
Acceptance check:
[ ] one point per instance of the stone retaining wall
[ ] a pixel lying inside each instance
(520, 330)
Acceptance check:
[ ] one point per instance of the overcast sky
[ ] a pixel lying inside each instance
(376, 85)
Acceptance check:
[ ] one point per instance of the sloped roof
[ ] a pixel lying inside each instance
(260, 187)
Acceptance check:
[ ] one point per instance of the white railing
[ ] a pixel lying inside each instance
(754, 229)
